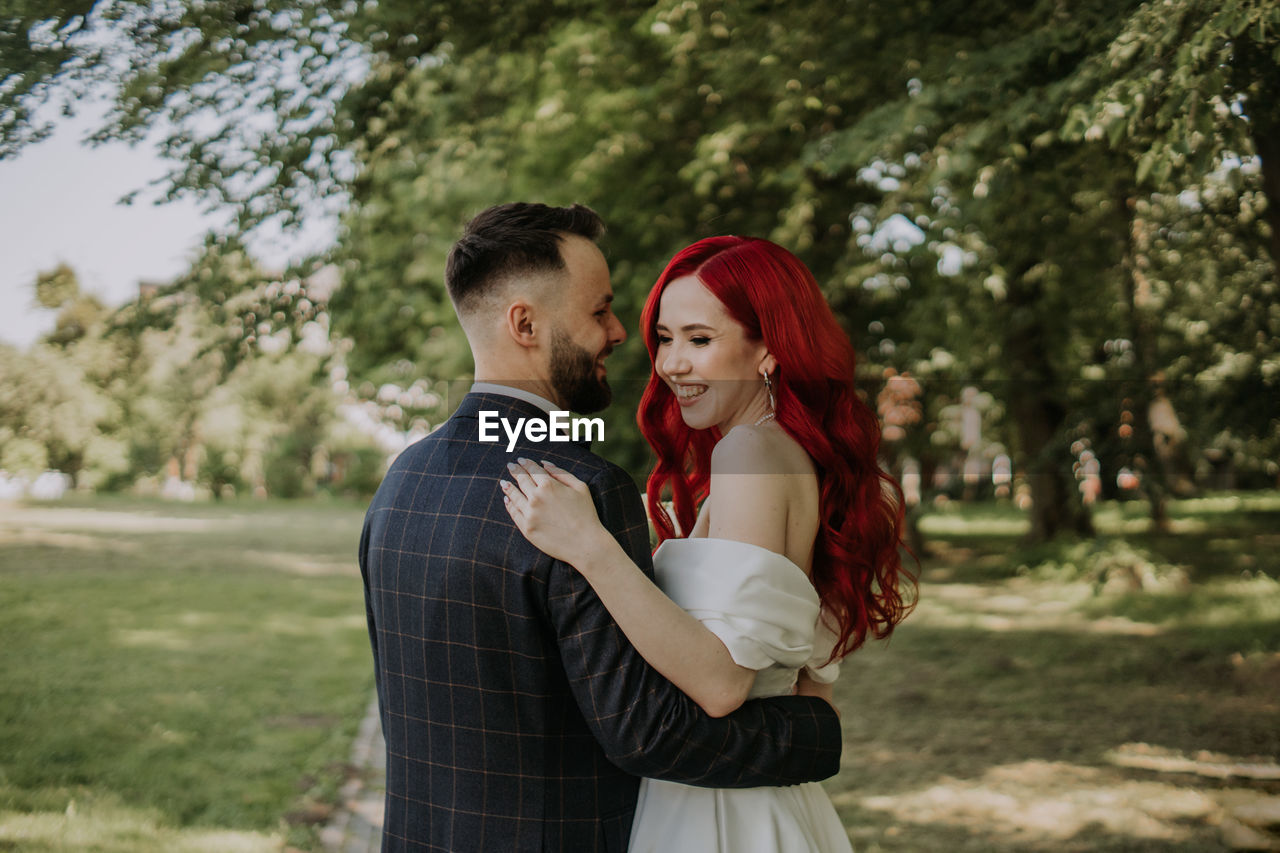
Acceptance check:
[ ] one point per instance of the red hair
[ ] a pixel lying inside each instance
(857, 567)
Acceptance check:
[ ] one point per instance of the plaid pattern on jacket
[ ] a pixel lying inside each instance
(517, 716)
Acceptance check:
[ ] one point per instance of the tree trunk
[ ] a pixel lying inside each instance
(1035, 400)
(1257, 75)
(1055, 504)
(1137, 298)
(1268, 148)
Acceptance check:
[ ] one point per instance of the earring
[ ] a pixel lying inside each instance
(768, 387)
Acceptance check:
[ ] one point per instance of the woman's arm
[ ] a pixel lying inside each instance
(555, 512)
(807, 686)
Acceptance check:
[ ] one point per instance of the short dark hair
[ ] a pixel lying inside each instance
(519, 238)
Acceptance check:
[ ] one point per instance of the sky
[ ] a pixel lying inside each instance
(58, 204)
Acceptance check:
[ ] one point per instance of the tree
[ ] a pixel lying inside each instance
(46, 401)
(1012, 147)
(981, 187)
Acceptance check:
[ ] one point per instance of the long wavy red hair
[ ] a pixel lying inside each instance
(857, 565)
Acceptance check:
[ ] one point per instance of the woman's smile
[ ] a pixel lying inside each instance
(688, 393)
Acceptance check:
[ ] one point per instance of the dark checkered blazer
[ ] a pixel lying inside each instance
(517, 716)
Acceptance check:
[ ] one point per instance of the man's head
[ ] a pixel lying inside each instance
(533, 295)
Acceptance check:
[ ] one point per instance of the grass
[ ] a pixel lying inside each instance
(176, 676)
(986, 723)
(189, 678)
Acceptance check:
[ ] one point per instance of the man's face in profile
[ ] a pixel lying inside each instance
(585, 330)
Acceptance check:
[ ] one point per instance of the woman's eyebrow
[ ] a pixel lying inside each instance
(691, 327)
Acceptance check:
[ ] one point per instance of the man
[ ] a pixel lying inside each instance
(517, 716)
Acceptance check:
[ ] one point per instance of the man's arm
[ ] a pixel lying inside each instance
(645, 724)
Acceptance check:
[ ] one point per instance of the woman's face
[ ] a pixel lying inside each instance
(707, 361)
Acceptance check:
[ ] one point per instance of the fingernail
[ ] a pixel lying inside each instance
(524, 461)
(511, 466)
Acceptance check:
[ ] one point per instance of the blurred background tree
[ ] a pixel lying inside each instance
(1070, 208)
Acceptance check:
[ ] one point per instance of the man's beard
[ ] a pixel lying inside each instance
(573, 376)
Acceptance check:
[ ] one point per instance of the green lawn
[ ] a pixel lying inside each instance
(189, 677)
(989, 720)
(176, 676)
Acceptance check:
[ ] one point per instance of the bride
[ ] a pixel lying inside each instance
(792, 557)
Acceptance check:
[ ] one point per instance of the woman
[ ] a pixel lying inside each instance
(792, 557)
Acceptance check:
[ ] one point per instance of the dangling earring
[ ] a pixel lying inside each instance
(773, 404)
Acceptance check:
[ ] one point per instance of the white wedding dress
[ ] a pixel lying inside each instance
(765, 610)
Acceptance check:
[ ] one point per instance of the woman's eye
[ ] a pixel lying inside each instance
(663, 339)
(700, 341)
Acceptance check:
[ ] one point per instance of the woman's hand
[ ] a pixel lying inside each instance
(554, 510)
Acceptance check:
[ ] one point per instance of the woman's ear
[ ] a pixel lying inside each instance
(519, 323)
(768, 364)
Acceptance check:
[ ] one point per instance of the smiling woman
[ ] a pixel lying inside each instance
(706, 342)
(743, 342)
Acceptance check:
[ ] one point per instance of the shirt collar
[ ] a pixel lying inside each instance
(519, 393)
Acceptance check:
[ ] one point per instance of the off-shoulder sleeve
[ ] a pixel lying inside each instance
(760, 604)
(824, 640)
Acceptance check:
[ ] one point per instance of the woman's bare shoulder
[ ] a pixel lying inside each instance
(764, 492)
(763, 449)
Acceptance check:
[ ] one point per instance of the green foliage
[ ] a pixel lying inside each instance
(219, 473)
(362, 470)
(24, 456)
(1036, 160)
(222, 379)
(57, 286)
(47, 398)
(35, 47)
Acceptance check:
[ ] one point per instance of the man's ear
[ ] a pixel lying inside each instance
(520, 323)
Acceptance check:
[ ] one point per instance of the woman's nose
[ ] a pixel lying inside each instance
(675, 362)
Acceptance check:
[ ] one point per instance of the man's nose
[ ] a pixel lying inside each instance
(617, 332)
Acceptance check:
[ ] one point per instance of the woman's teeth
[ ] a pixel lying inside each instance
(690, 391)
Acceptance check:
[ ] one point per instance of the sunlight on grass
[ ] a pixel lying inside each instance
(55, 539)
(299, 564)
(59, 518)
(168, 640)
(1237, 502)
(1184, 526)
(951, 525)
(295, 625)
(117, 829)
(1191, 516)
(1037, 801)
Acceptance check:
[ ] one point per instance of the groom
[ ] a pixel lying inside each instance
(517, 716)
